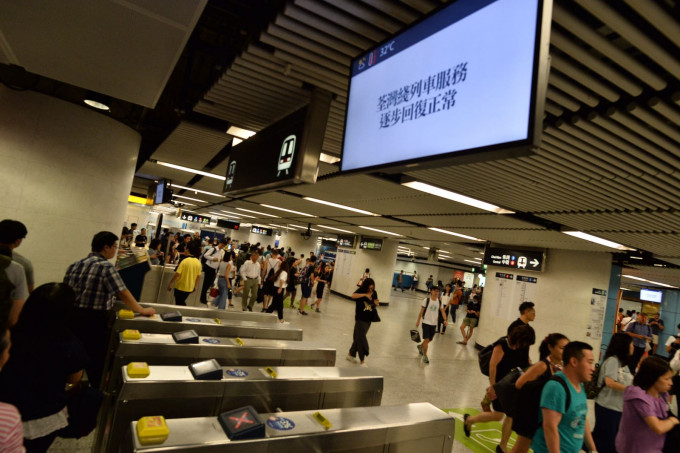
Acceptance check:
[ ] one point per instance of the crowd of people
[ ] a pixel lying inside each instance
(49, 337)
(545, 403)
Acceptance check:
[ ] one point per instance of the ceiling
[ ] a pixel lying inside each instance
(609, 163)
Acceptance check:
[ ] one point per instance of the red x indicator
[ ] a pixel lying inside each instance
(242, 419)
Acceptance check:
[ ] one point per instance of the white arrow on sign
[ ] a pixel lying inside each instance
(535, 263)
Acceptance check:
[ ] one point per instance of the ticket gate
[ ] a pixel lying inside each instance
(160, 349)
(210, 326)
(205, 312)
(174, 392)
(417, 427)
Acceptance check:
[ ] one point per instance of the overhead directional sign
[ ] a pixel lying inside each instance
(191, 217)
(529, 260)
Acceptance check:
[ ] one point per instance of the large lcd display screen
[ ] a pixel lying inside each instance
(464, 79)
(651, 295)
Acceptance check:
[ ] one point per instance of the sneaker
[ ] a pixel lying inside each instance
(420, 349)
(425, 359)
(351, 359)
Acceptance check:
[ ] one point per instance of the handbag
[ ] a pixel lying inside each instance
(83, 407)
(415, 335)
(214, 289)
(376, 316)
(506, 392)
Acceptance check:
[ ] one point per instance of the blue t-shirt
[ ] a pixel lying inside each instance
(573, 424)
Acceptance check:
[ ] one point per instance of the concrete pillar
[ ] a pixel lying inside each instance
(562, 294)
(66, 172)
(351, 264)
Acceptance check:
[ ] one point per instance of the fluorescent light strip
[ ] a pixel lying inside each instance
(632, 277)
(636, 257)
(327, 158)
(187, 198)
(597, 240)
(453, 196)
(241, 133)
(335, 229)
(439, 230)
(287, 210)
(340, 206)
(191, 170)
(238, 214)
(470, 261)
(197, 191)
(380, 231)
(259, 213)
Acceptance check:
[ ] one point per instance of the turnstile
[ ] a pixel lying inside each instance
(204, 312)
(173, 392)
(394, 429)
(210, 326)
(160, 349)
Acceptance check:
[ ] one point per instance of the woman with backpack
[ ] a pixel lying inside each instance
(366, 300)
(525, 417)
(508, 353)
(613, 380)
(645, 420)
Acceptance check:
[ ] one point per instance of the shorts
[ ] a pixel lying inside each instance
(472, 322)
(306, 290)
(428, 331)
(655, 339)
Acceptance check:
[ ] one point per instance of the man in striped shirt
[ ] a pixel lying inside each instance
(96, 281)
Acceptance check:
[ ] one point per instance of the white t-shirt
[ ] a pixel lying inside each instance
(446, 300)
(283, 276)
(670, 341)
(272, 263)
(430, 316)
(625, 321)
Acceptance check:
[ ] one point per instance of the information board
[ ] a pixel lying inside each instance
(370, 243)
(191, 217)
(346, 241)
(260, 230)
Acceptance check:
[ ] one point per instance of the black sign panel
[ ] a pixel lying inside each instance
(228, 224)
(515, 259)
(524, 278)
(370, 243)
(285, 153)
(505, 276)
(346, 241)
(260, 230)
(191, 217)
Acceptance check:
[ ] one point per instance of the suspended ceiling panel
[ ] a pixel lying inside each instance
(623, 221)
(191, 145)
(469, 221)
(374, 222)
(294, 203)
(123, 48)
(656, 274)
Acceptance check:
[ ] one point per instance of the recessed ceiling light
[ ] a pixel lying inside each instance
(439, 230)
(287, 210)
(187, 198)
(637, 257)
(197, 190)
(235, 141)
(335, 229)
(97, 105)
(259, 213)
(380, 231)
(243, 134)
(188, 170)
(340, 206)
(597, 240)
(457, 197)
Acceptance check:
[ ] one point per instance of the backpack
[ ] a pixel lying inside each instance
(6, 288)
(203, 257)
(530, 396)
(427, 304)
(484, 358)
(592, 388)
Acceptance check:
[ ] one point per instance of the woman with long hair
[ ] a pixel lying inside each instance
(45, 357)
(224, 276)
(445, 296)
(366, 300)
(281, 279)
(614, 378)
(508, 353)
(524, 421)
(645, 420)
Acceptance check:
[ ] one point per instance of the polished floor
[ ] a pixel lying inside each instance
(451, 380)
